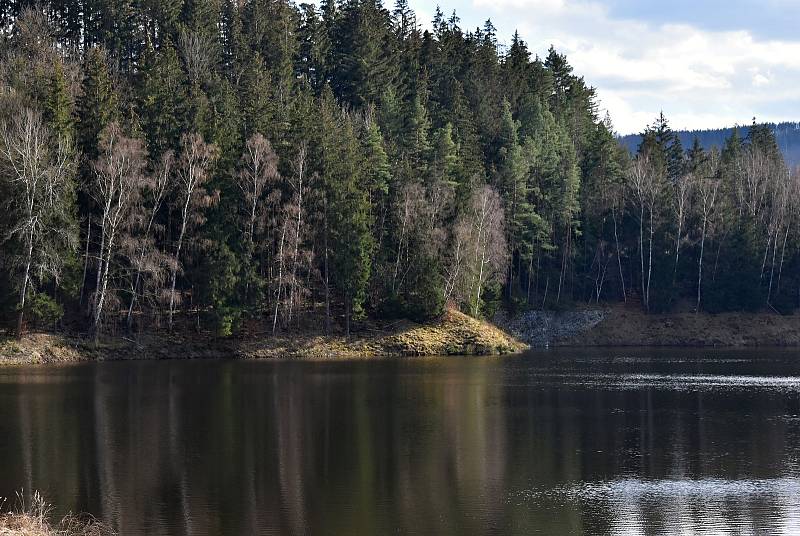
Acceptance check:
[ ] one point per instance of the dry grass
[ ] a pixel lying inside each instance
(32, 517)
(38, 348)
(454, 333)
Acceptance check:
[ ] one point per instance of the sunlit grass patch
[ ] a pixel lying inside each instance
(32, 516)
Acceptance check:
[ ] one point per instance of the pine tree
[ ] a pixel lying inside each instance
(256, 98)
(163, 100)
(314, 49)
(362, 53)
(350, 243)
(58, 106)
(511, 182)
(98, 103)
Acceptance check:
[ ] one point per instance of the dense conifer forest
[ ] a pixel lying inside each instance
(787, 135)
(204, 163)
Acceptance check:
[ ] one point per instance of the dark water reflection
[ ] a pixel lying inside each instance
(568, 442)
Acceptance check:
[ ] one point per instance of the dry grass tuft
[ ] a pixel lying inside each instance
(32, 518)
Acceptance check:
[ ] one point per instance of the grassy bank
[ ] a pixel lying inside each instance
(33, 517)
(453, 334)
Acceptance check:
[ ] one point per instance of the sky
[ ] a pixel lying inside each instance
(705, 63)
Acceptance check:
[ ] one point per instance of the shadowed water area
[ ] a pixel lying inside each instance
(561, 442)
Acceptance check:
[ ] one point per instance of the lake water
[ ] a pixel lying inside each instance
(561, 442)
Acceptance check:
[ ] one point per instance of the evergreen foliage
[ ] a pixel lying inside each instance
(392, 172)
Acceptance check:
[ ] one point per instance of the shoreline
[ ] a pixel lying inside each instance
(455, 334)
(628, 327)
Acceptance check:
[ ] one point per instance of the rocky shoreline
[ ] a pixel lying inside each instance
(629, 327)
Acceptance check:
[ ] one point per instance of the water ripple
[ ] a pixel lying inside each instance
(676, 382)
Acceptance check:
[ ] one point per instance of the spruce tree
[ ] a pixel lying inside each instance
(58, 105)
(97, 105)
(349, 241)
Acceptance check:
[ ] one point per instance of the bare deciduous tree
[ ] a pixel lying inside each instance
(682, 196)
(193, 172)
(480, 235)
(38, 171)
(293, 231)
(298, 184)
(119, 180)
(258, 175)
(145, 256)
(196, 50)
(708, 188)
(645, 184)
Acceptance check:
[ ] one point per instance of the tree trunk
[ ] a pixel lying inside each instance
(24, 291)
(650, 261)
(783, 256)
(700, 264)
(400, 245)
(135, 288)
(641, 253)
(101, 297)
(564, 257)
(177, 260)
(298, 223)
(100, 257)
(327, 275)
(86, 258)
(677, 253)
(530, 279)
(280, 279)
(772, 267)
(347, 314)
(619, 258)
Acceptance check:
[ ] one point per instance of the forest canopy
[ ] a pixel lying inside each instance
(210, 162)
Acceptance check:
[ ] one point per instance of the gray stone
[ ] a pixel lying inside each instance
(544, 328)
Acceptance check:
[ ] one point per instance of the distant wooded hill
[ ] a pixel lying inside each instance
(787, 135)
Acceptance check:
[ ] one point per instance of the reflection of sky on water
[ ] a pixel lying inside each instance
(673, 382)
(704, 506)
(604, 442)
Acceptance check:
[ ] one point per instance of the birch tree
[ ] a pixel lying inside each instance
(682, 196)
(299, 184)
(258, 174)
(38, 172)
(257, 180)
(708, 190)
(481, 254)
(293, 259)
(645, 183)
(193, 173)
(145, 257)
(118, 182)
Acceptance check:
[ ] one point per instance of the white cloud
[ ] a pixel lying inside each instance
(699, 78)
(541, 5)
(760, 80)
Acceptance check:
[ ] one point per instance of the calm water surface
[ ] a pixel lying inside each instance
(566, 442)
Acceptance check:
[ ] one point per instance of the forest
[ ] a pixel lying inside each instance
(787, 135)
(199, 164)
